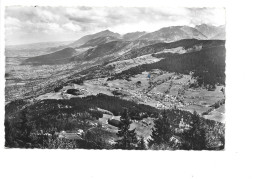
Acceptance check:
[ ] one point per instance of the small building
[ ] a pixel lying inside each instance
(69, 136)
(114, 122)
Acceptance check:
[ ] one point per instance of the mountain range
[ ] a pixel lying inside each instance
(166, 34)
(107, 43)
(86, 38)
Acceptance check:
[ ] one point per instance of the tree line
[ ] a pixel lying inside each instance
(208, 65)
(27, 129)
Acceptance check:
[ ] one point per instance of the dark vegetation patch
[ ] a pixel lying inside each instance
(7, 75)
(218, 104)
(186, 44)
(208, 65)
(57, 115)
(14, 106)
(48, 111)
(58, 88)
(114, 122)
(104, 49)
(50, 116)
(73, 92)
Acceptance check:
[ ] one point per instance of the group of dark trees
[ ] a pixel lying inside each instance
(26, 125)
(58, 88)
(50, 111)
(24, 131)
(163, 135)
(162, 130)
(195, 137)
(23, 118)
(73, 92)
(157, 47)
(208, 65)
(127, 138)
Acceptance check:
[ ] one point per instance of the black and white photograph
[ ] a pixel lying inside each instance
(131, 78)
(125, 89)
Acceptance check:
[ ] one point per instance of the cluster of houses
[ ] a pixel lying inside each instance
(182, 127)
(172, 100)
(75, 135)
(78, 135)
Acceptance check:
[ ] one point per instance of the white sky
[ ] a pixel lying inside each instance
(38, 24)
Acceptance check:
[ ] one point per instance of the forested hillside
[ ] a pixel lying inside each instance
(208, 65)
(27, 127)
(186, 44)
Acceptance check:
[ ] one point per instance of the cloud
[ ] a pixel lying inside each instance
(72, 27)
(81, 19)
(213, 16)
(78, 21)
(12, 23)
(33, 14)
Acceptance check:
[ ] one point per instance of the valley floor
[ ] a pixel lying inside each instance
(169, 91)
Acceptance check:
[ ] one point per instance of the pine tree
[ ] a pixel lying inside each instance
(141, 144)
(24, 126)
(127, 137)
(195, 138)
(9, 134)
(161, 132)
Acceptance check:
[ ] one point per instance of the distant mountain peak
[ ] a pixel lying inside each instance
(87, 38)
(203, 24)
(211, 31)
(106, 31)
(174, 33)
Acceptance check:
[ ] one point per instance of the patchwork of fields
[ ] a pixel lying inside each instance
(162, 90)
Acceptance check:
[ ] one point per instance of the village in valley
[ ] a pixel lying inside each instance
(159, 90)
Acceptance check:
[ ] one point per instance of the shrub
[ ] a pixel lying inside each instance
(73, 92)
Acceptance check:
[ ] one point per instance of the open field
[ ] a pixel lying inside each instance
(217, 114)
(169, 90)
(143, 127)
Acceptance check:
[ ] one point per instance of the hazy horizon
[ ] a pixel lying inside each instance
(27, 25)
